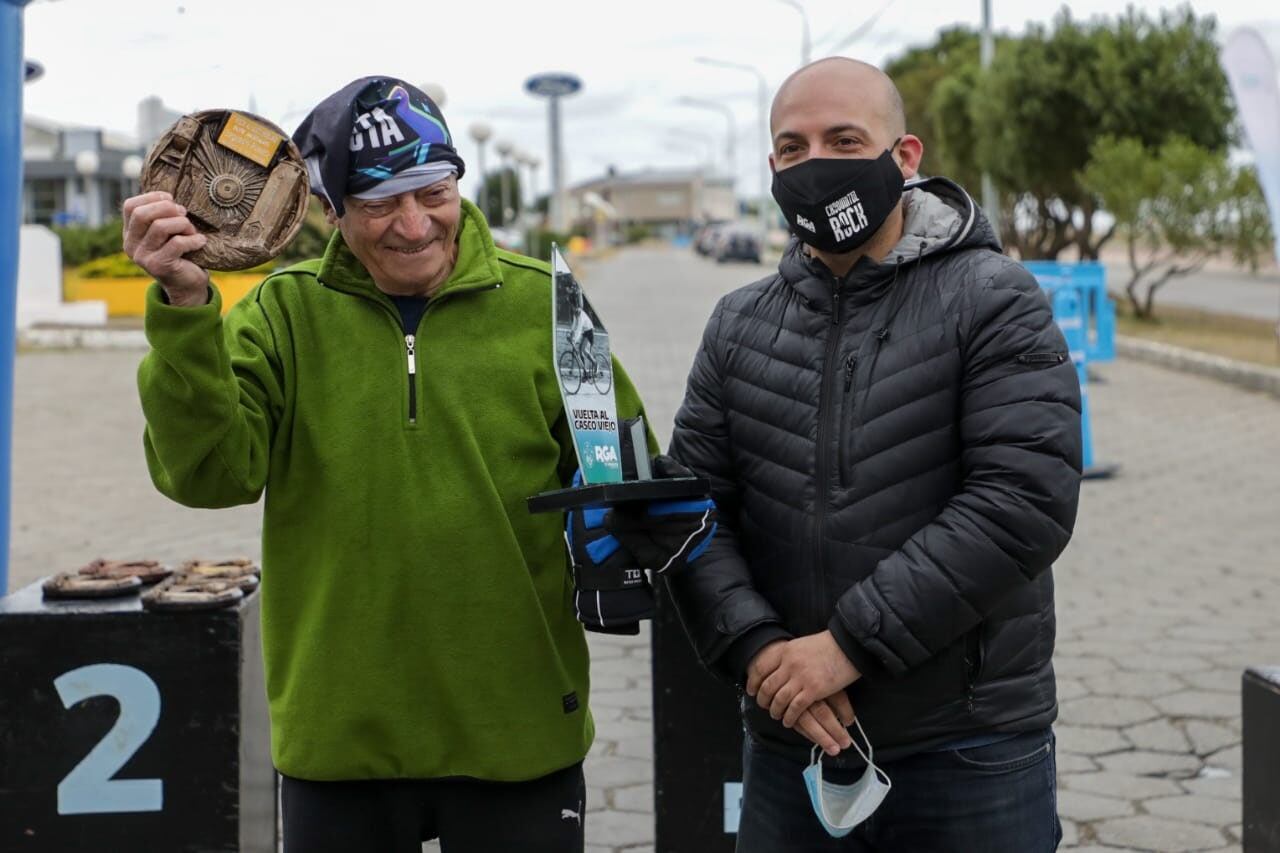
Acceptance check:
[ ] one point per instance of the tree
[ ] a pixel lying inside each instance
(1031, 120)
(312, 238)
(953, 127)
(1176, 206)
(918, 74)
(1031, 112)
(491, 193)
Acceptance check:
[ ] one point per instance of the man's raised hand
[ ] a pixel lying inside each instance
(157, 233)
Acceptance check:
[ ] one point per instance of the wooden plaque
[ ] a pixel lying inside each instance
(241, 179)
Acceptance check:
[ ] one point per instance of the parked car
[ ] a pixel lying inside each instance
(706, 238)
(738, 246)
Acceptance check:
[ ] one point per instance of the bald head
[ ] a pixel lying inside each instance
(844, 90)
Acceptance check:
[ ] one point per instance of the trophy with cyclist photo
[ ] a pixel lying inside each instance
(582, 345)
(614, 459)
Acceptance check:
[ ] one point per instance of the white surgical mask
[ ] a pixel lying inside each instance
(840, 808)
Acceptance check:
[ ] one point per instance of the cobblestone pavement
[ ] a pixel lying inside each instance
(1167, 592)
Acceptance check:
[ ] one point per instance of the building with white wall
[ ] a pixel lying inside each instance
(679, 199)
(74, 175)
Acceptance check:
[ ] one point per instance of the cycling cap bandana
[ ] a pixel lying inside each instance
(375, 137)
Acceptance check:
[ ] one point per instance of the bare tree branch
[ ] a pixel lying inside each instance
(1173, 271)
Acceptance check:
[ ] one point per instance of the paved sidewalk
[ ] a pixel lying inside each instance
(1169, 589)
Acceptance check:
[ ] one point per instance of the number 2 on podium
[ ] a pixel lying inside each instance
(89, 788)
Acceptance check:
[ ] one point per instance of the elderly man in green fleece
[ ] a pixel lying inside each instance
(397, 401)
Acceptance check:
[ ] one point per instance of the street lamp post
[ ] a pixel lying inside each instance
(862, 29)
(987, 53)
(435, 92)
(87, 165)
(504, 149)
(131, 168)
(762, 109)
(522, 159)
(680, 136)
(804, 37)
(534, 163)
(517, 175)
(553, 87)
(700, 103)
(480, 133)
(526, 180)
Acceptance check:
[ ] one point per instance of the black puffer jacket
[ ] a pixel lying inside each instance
(896, 457)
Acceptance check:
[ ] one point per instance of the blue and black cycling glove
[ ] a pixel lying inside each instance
(665, 537)
(611, 592)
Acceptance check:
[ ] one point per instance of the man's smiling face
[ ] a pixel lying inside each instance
(407, 242)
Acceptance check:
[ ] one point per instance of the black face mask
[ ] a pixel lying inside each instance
(835, 204)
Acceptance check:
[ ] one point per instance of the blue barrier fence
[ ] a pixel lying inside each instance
(1087, 317)
(1097, 310)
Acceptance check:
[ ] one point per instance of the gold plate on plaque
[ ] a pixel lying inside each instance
(250, 139)
(241, 179)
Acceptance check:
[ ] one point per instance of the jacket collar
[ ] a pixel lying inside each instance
(477, 267)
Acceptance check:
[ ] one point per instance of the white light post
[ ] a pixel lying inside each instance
(435, 92)
(480, 134)
(730, 158)
(524, 162)
(87, 165)
(987, 52)
(504, 149)
(804, 19)
(534, 163)
(680, 137)
(131, 168)
(553, 87)
(762, 109)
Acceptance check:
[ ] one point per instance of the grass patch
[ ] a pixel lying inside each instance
(1241, 338)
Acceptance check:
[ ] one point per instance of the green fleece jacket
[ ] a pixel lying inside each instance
(417, 619)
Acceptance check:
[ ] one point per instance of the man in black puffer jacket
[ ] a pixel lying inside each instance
(891, 425)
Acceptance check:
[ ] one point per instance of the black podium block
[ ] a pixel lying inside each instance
(697, 745)
(1260, 696)
(127, 730)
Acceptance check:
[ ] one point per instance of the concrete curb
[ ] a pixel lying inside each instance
(1253, 377)
(81, 337)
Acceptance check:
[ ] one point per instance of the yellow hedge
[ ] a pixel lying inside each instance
(126, 297)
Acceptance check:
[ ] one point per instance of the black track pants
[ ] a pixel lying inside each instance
(540, 816)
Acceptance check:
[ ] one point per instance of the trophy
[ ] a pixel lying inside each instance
(241, 179)
(614, 461)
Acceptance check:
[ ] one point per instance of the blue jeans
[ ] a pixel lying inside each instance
(1000, 798)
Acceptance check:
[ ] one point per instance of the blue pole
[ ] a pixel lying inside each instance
(12, 71)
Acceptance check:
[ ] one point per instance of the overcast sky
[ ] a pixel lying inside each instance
(635, 60)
